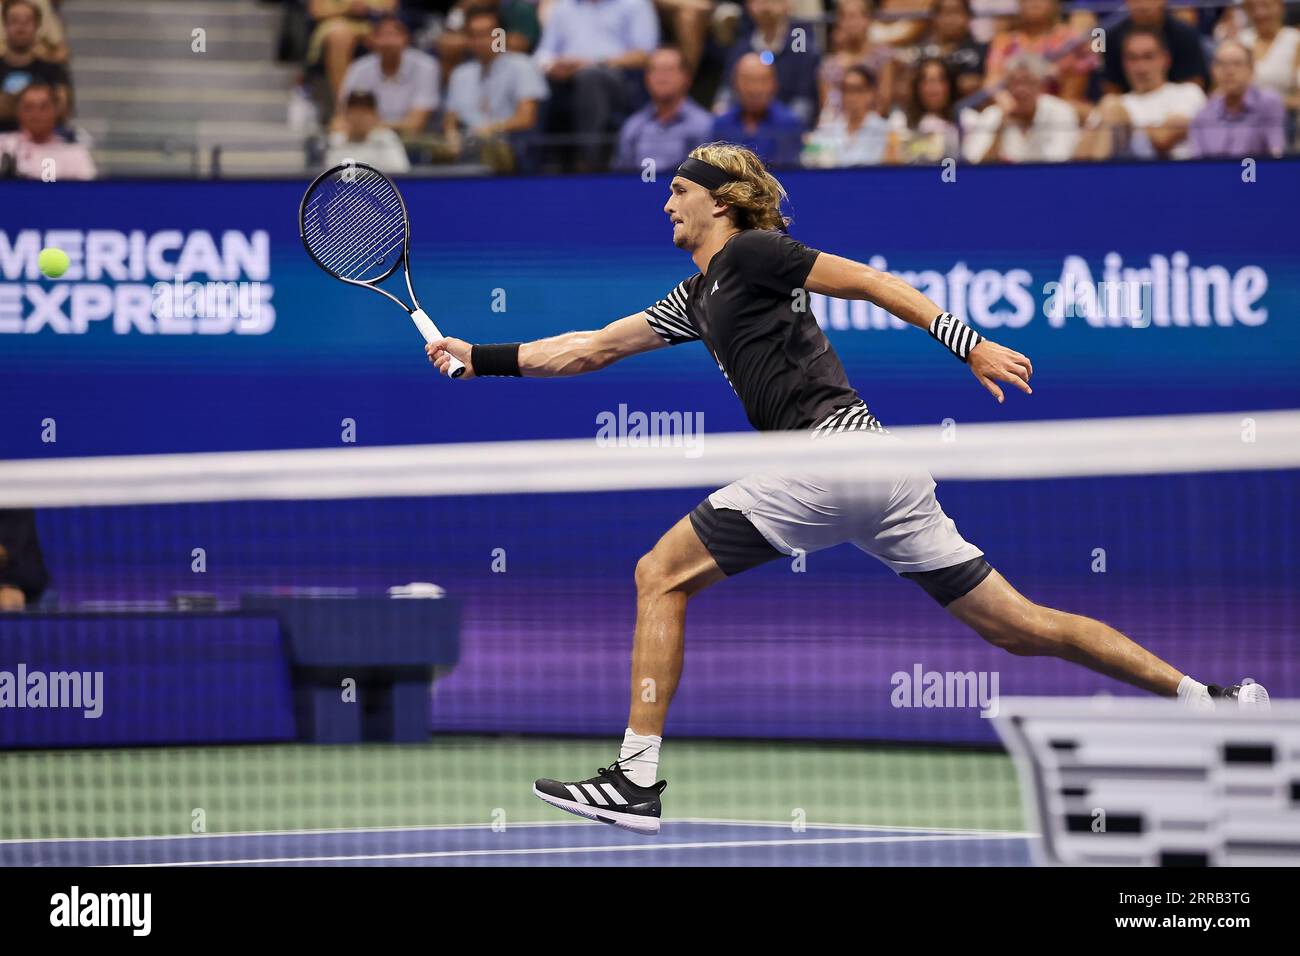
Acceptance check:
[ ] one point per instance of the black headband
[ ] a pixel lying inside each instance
(705, 174)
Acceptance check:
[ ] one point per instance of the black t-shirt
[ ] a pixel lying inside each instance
(751, 311)
(15, 79)
(1186, 55)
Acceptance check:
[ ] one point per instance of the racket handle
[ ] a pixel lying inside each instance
(430, 332)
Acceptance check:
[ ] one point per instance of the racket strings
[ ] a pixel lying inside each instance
(356, 236)
(352, 226)
(349, 217)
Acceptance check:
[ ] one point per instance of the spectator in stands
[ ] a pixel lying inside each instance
(1275, 50)
(667, 128)
(23, 577)
(856, 134)
(341, 27)
(1024, 124)
(1241, 119)
(1038, 29)
(926, 131)
(50, 42)
(21, 65)
(1186, 55)
(404, 81)
(851, 46)
(593, 52)
(950, 40)
(789, 47)
(1154, 118)
(364, 139)
(493, 97)
(36, 151)
(759, 120)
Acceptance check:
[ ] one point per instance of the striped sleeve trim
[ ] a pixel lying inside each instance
(668, 317)
(850, 418)
(958, 337)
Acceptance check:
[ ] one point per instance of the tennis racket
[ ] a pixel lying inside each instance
(354, 225)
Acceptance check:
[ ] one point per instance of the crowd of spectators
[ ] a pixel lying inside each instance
(582, 85)
(36, 139)
(635, 84)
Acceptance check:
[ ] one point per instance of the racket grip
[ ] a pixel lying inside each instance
(430, 332)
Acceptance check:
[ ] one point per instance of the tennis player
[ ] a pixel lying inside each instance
(746, 305)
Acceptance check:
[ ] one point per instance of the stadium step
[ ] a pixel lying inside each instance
(207, 131)
(151, 103)
(154, 29)
(92, 72)
(141, 42)
(117, 103)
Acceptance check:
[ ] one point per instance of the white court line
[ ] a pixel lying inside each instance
(869, 827)
(632, 848)
(416, 828)
(413, 827)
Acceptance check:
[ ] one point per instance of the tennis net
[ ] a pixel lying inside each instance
(366, 655)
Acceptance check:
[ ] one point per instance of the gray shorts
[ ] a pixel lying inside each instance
(893, 517)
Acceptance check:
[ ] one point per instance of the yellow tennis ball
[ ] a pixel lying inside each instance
(53, 262)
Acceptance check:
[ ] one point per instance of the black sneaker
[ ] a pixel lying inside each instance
(1247, 695)
(609, 797)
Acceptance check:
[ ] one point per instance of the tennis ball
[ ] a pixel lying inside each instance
(53, 262)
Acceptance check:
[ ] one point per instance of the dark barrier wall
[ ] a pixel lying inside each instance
(499, 260)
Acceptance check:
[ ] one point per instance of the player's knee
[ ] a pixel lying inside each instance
(651, 574)
(656, 574)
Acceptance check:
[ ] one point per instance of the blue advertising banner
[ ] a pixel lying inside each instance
(191, 319)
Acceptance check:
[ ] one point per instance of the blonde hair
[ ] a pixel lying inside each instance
(755, 196)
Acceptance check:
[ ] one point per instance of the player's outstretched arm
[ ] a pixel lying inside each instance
(569, 354)
(989, 362)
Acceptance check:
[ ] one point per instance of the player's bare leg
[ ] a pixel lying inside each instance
(626, 794)
(1007, 619)
(677, 568)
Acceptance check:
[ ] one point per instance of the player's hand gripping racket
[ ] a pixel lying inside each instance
(354, 225)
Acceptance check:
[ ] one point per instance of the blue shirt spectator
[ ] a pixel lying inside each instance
(480, 94)
(667, 128)
(785, 44)
(1240, 119)
(593, 31)
(1255, 125)
(759, 120)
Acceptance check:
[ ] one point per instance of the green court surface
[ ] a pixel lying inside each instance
(469, 781)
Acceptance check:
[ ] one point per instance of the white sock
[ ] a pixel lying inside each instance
(1195, 694)
(642, 768)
